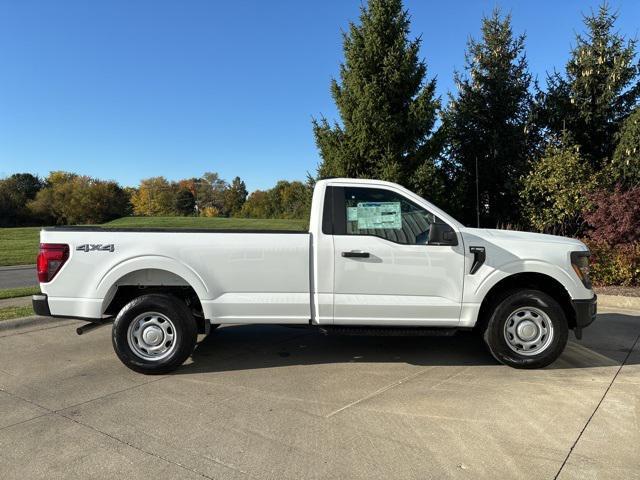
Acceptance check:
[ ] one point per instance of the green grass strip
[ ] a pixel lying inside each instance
(18, 292)
(8, 313)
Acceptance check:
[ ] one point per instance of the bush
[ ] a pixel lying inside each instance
(210, 212)
(615, 217)
(553, 193)
(614, 265)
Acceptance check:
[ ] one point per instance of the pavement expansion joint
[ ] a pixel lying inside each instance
(597, 407)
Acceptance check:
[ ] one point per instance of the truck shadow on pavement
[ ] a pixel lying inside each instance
(246, 347)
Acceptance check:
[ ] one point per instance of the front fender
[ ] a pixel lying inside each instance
(484, 284)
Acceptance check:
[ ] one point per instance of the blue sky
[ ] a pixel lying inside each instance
(131, 89)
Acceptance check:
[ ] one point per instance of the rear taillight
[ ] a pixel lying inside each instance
(50, 260)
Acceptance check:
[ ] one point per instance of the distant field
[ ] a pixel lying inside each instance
(19, 246)
(213, 223)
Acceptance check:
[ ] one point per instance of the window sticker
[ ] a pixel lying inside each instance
(385, 215)
(352, 214)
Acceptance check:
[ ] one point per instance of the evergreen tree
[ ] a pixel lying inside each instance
(625, 167)
(598, 91)
(489, 124)
(185, 202)
(234, 197)
(387, 108)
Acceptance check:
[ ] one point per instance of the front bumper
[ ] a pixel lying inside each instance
(585, 311)
(41, 305)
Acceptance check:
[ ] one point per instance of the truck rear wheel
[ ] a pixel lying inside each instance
(527, 329)
(154, 334)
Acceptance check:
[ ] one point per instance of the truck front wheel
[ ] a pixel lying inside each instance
(527, 329)
(154, 334)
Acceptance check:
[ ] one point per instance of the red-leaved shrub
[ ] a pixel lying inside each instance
(615, 216)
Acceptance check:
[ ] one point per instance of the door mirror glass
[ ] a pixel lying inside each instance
(442, 234)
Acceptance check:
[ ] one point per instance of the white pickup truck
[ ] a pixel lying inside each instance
(377, 259)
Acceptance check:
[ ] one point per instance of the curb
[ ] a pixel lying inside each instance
(618, 301)
(16, 267)
(15, 301)
(18, 323)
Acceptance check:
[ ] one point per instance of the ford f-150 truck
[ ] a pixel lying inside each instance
(377, 259)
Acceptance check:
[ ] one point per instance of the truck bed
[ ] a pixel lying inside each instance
(239, 276)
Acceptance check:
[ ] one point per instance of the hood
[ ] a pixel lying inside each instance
(515, 236)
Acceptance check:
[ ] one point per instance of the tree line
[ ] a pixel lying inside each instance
(64, 198)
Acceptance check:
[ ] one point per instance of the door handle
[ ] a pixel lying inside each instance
(355, 254)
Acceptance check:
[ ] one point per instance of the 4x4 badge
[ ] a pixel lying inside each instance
(90, 247)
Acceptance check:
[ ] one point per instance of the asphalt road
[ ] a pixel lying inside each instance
(281, 403)
(19, 276)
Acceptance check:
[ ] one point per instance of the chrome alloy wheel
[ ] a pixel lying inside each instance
(528, 331)
(152, 336)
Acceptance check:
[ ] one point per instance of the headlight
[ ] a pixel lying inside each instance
(580, 263)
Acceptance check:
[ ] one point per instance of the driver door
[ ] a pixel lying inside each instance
(387, 269)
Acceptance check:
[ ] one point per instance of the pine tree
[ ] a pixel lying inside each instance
(387, 109)
(598, 91)
(234, 197)
(185, 202)
(489, 124)
(625, 167)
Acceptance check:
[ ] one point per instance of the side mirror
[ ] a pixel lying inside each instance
(450, 237)
(442, 234)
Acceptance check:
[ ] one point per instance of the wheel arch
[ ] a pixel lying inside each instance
(149, 274)
(526, 280)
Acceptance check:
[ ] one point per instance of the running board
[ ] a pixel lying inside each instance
(388, 331)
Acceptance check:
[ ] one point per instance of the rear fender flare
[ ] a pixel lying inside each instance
(107, 284)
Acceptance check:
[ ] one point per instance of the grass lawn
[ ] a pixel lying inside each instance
(8, 313)
(205, 222)
(19, 246)
(18, 292)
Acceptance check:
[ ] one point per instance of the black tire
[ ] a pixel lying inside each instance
(183, 328)
(495, 333)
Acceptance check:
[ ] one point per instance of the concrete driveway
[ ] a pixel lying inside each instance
(281, 403)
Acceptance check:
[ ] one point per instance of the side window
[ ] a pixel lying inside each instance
(383, 213)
